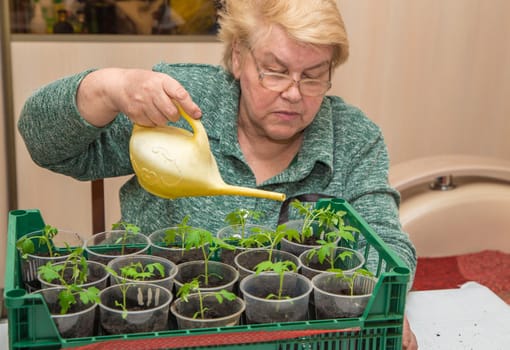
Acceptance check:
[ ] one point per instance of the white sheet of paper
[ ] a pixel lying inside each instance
(470, 317)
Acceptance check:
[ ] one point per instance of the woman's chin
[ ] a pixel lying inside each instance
(284, 136)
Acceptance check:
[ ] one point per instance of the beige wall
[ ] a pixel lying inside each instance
(433, 74)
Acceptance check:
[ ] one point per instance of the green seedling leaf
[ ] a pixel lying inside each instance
(50, 231)
(123, 307)
(241, 216)
(217, 243)
(328, 252)
(75, 262)
(25, 246)
(188, 288)
(350, 278)
(90, 295)
(177, 236)
(66, 300)
(134, 271)
(194, 287)
(155, 267)
(128, 229)
(251, 242)
(49, 272)
(196, 238)
(294, 235)
(200, 313)
(280, 267)
(137, 271)
(277, 297)
(126, 226)
(321, 222)
(224, 294)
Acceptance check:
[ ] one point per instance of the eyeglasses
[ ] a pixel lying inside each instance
(279, 82)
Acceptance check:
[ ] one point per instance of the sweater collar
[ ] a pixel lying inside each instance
(317, 149)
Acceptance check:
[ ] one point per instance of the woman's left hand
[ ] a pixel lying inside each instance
(409, 341)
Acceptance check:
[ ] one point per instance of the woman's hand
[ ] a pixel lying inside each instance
(146, 97)
(409, 341)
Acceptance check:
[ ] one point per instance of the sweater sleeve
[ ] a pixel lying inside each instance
(362, 158)
(377, 202)
(59, 139)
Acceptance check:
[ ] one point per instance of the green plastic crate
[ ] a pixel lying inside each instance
(380, 327)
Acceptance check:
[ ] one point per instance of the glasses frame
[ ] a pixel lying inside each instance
(262, 74)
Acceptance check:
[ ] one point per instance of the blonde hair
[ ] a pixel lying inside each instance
(315, 22)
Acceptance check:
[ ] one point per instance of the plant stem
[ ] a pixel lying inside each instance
(280, 288)
(206, 266)
(48, 244)
(332, 257)
(201, 301)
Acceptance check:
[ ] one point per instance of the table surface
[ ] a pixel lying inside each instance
(470, 317)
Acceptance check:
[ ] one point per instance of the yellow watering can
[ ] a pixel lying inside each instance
(171, 162)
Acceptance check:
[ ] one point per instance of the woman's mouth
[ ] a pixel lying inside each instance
(287, 115)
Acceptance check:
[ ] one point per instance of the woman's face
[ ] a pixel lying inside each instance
(279, 116)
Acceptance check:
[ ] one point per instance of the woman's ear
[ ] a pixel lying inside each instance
(236, 60)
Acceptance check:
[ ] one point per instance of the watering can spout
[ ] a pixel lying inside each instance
(230, 190)
(171, 162)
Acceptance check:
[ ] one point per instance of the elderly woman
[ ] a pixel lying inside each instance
(270, 123)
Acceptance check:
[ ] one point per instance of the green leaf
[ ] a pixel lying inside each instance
(197, 238)
(156, 266)
(170, 235)
(126, 226)
(123, 307)
(66, 300)
(50, 272)
(219, 243)
(225, 294)
(293, 235)
(82, 266)
(136, 270)
(345, 254)
(90, 295)
(241, 216)
(266, 265)
(131, 271)
(26, 246)
(279, 267)
(50, 231)
(188, 288)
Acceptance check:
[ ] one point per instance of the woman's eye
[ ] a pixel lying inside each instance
(311, 76)
(315, 75)
(279, 70)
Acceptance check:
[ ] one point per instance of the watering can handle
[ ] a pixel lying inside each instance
(199, 133)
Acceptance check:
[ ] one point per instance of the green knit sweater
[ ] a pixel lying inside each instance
(343, 155)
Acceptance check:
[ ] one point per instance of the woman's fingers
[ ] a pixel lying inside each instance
(409, 341)
(177, 93)
(149, 98)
